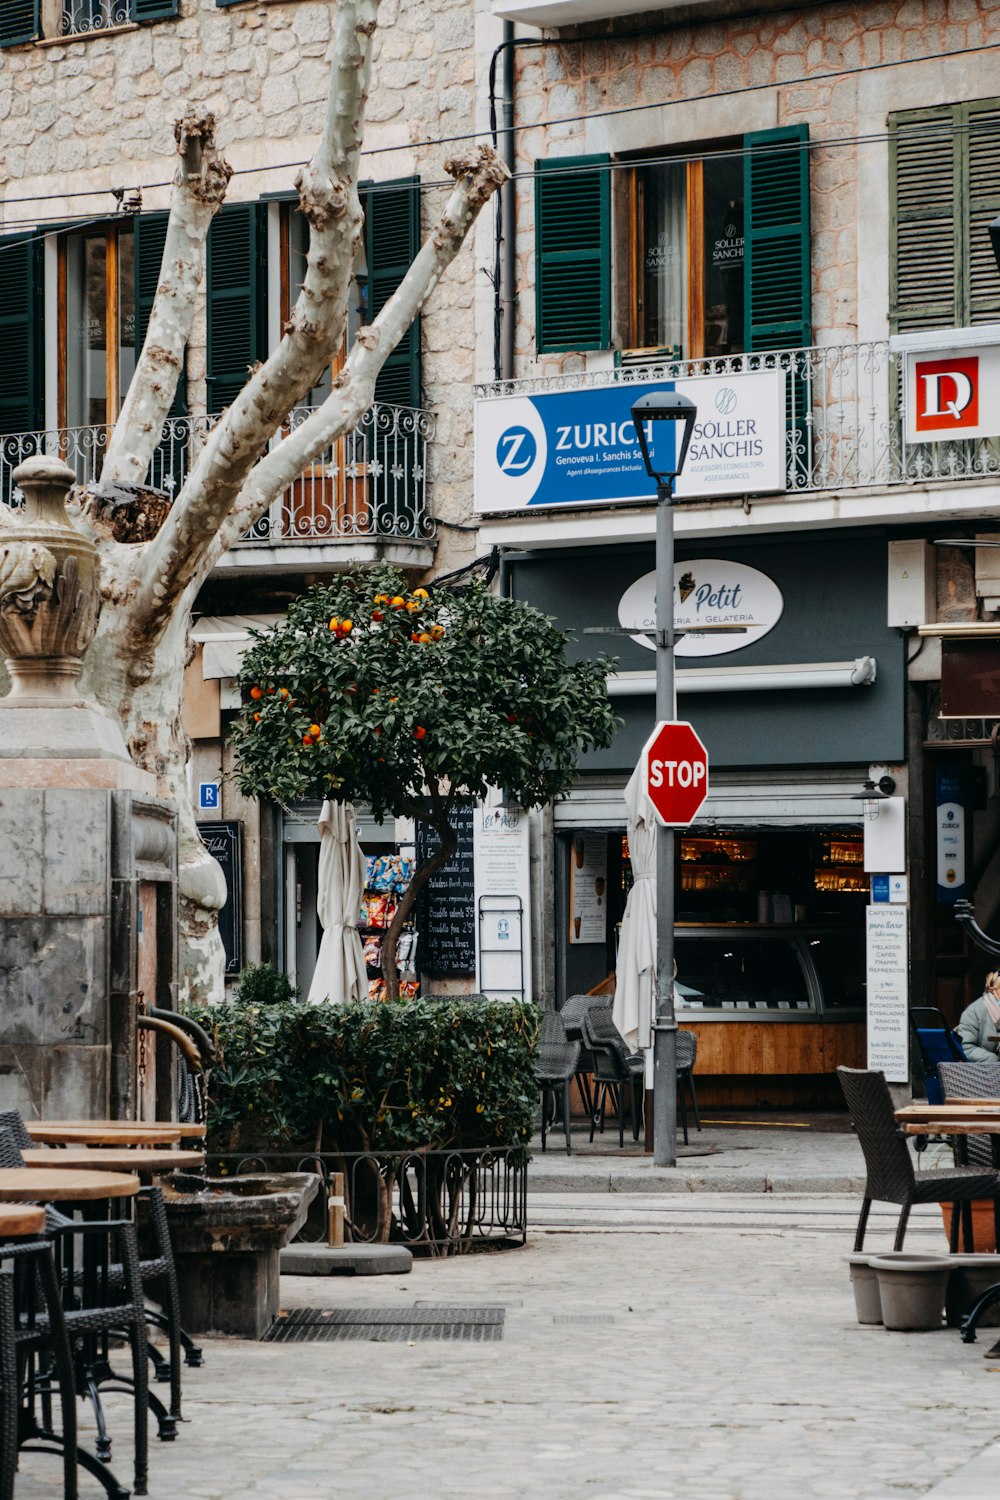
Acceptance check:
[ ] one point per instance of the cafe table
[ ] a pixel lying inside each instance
(143, 1160)
(111, 1132)
(979, 1117)
(18, 1220)
(92, 1192)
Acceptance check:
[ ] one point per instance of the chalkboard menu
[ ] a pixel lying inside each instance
(224, 842)
(446, 907)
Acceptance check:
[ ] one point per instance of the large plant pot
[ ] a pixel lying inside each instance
(912, 1290)
(971, 1275)
(864, 1283)
(227, 1234)
(984, 1233)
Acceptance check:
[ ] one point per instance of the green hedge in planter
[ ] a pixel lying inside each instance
(371, 1076)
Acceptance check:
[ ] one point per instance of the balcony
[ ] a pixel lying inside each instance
(365, 496)
(844, 406)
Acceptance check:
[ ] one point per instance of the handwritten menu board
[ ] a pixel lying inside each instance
(888, 1039)
(446, 907)
(224, 842)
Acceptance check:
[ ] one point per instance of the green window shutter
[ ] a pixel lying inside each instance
(236, 299)
(573, 253)
(776, 263)
(983, 150)
(153, 10)
(392, 239)
(925, 174)
(150, 237)
(22, 368)
(19, 22)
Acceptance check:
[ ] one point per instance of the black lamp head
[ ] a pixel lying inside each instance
(664, 406)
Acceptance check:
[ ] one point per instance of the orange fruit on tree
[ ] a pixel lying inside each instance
(420, 733)
(334, 623)
(346, 626)
(397, 601)
(307, 739)
(284, 693)
(315, 731)
(437, 631)
(413, 606)
(421, 594)
(256, 692)
(376, 614)
(256, 718)
(414, 635)
(424, 638)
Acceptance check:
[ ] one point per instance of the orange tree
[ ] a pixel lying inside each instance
(410, 699)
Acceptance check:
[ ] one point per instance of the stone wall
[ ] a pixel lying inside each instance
(821, 65)
(98, 112)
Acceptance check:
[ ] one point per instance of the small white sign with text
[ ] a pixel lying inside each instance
(888, 999)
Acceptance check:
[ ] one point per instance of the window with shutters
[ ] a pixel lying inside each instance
(30, 20)
(97, 333)
(712, 250)
(944, 166)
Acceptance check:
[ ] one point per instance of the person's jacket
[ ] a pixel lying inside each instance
(976, 1028)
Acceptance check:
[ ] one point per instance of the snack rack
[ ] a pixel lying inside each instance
(386, 878)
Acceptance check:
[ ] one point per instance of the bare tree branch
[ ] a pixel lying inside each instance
(329, 199)
(199, 187)
(478, 174)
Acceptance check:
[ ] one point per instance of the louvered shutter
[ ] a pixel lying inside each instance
(983, 199)
(150, 237)
(21, 336)
(153, 10)
(392, 239)
(19, 21)
(573, 253)
(236, 299)
(776, 263)
(926, 230)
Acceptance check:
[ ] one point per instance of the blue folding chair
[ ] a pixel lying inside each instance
(938, 1044)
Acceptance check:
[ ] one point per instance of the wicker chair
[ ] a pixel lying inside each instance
(891, 1178)
(971, 1080)
(22, 1333)
(616, 1072)
(572, 1013)
(555, 1067)
(687, 1056)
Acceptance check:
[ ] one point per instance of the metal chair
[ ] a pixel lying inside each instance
(24, 1332)
(555, 1067)
(891, 1178)
(971, 1080)
(687, 1056)
(616, 1072)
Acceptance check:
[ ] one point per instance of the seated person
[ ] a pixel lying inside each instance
(980, 1024)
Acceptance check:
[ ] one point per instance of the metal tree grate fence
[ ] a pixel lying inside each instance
(433, 1202)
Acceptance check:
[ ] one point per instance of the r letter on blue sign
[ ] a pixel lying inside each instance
(209, 796)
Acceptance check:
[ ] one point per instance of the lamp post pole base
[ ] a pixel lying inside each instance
(665, 1092)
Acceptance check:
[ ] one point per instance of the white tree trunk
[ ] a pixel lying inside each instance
(135, 666)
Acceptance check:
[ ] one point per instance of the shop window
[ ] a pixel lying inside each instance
(944, 191)
(716, 249)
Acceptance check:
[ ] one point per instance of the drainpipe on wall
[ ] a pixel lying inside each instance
(508, 214)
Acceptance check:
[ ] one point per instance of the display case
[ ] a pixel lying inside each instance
(778, 973)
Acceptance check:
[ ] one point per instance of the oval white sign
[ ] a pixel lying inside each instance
(733, 604)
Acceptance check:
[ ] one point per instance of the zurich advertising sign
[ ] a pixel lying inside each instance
(580, 447)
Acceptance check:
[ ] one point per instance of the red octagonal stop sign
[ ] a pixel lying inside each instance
(675, 773)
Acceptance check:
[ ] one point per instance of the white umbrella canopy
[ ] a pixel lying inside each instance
(340, 972)
(635, 971)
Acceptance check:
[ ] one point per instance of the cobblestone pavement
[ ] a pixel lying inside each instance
(696, 1346)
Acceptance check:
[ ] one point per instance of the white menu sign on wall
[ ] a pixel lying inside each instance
(888, 999)
(503, 901)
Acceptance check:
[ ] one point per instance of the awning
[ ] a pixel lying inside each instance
(783, 798)
(225, 639)
(766, 679)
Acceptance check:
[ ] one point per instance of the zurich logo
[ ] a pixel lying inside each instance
(516, 451)
(725, 401)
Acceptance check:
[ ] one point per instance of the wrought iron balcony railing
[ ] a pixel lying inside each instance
(370, 483)
(83, 17)
(845, 425)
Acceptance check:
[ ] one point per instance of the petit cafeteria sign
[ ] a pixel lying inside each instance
(580, 447)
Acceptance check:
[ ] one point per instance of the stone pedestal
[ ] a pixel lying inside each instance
(87, 850)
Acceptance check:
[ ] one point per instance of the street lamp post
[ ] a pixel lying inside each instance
(664, 462)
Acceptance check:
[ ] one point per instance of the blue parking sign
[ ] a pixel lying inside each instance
(209, 796)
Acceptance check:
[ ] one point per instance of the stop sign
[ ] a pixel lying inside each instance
(675, 773)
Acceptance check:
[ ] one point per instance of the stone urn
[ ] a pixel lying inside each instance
(227, 1234)
(49, 588)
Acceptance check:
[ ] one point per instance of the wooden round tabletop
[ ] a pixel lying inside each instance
(111, 1158)
(18, 1219)
(37, 1185)
(111, 1132)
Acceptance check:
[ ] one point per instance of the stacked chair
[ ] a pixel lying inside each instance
(556, 1066)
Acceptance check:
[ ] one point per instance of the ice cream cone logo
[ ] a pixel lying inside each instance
(685, 585)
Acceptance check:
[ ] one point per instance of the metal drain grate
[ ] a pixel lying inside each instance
(387, 1325)
(582, 1318)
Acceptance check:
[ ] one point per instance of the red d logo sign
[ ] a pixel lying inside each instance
(947, 394)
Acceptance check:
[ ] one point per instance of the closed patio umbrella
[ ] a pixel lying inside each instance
(340, 972)
(635, 971)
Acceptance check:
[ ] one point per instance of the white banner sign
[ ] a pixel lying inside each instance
(711, 592)
(579, 447)
(888, 999)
